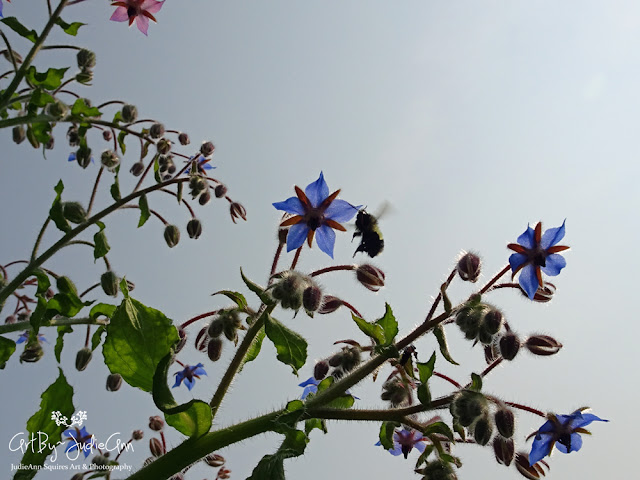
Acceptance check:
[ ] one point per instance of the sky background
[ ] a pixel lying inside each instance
(471, 119)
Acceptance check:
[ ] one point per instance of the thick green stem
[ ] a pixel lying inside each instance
(29, 269)
(5, 99)
(56, 322)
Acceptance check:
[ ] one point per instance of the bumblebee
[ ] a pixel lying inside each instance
(367, 227)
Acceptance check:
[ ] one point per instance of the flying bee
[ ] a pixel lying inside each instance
(367, 228)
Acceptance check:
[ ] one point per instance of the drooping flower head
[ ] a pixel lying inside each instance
(561, 431)
(139, 10)
(405, 440)
(80, 439)
(537, 253)
(315, 212)
(189, 374)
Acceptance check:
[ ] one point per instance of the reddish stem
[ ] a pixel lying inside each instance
(495, 279)
(198, 317)
(333, 269)
(448, 379)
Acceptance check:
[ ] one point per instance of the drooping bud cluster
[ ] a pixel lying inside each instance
(18, 134)
(163, 146)
(397, 391)
(469, 267)
(156, 130)
(226, 323)
(129, 113)
(86, 61)
(295, 290)
(438, 470)
(338, 364)
(237, 211)
(83, 156)
(471, 410)
(166, 166)
(479, 320)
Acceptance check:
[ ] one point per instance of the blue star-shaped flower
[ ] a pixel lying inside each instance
(24, 336)
(315, 211)
(405, 440)
(202, 165)
(73, 157)
(536, 253)
(189, 374)
(80, 440)
(563, 431)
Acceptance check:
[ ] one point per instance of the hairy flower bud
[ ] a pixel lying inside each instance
(86, 59)
(129, 113)
(290, 288)
(137, 169)
(163, 146)
(83, 156)
(182, 335)
(543, 345)
(509, 345)
(503, 448)
(156, 447)
(216, 327)
(544, 293)
(214, 460)
(156, 130)
(469, 317)
(84, 77)
(73, 136)
(201, 340)
(57, 109)
(330, 304)
(18, 134)
(206, 149)
(526, 470)
(370, 277)
(137, 435)
(483, 430)
(469, 406)
(438, 470)
(220, 190)
(156, 423)
(194, 228)
(74, 212)
(107, 135)
(109, 159)
(171, 235)
(311, 298)
(11, 319)
(320, 370)
(505, 422)
(184, 139)
(214, 349)
(492, 321)
(395, 392)
(32, 353)
(351, 358)
(469, 267)
(237, 211)
(204, 198)
(114, 382)
(83, 357)
(110, 282)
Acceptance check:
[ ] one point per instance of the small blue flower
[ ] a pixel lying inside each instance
(315, 211)
(405, 440)
(203, 165)
(189, 374)
(311, 386)
(24, 336)
(563, 431)
(537, 253)
(80, 440)
(72, 157)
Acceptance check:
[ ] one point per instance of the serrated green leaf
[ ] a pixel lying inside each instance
(144, 210)
(444, 346)
(16, 26)
(313, 423)
(389, 325)
(81, 109)
(69, 28)
(96, 337)
(58, 397)
(386, 434)
(238, 298)
(55, 212)
(476, 382)
(138, 337)
(7, 347)
(121, 137)
(258, 290)
(49, 80)
(291, 347)
(254, 349)
(372, 330)
(62, 330)
(440, 428)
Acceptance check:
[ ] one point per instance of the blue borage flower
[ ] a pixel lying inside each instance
(202, 165)
(561, 431)
(537, 253)
(80, 440)
(189, 374)
(315, 211)
(405, 440)
(24, 336)
(72, 157)
(311, 386)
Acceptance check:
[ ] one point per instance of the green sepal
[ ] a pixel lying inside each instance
(101, 247)
(439, 428)
(16, 26)
(49, 80)
(7, 347)
(386, 434)
(43, 281)
(476, 382)
(144, 210)
(425, 370)
(445, 298)
(62, 330)
(56, 212)
(69, 28)
(97, 337)
(258, 290)
(291, 347)
(383, 330)
(121, 137)
(115, 187)
(438, 331)
(238, 298)
(313, 423)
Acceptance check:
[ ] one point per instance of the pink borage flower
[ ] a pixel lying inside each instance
(139, 10)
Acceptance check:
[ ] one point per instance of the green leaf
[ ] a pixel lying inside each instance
(271, 467)
(49, 80)
(100, 240)
(38, 315)
(238, 298)
(291, 347)
(66, 302)
(445, 298)
(342, 402)
(69, 28)
(425, 370)
(96, 337)
(138, 337)
(60, 341)
(58, 397)
(442, 342)
(476, 382)
(41, 131)
(55, 213)
(326, 383)
(102, 309)
(386, 434)
(16, 26)
(121, 137)
(254, 349)
(7, 347)
(258, 290)
(144, 210)
(40, 98)
(43, 281)
(117, 118)
(81, 109)
(115, 187)
(424, 394)
(389, 325)
(313, 423)
(372, 330)
(440, 428)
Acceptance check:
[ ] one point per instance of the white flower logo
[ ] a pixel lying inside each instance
(76, 419)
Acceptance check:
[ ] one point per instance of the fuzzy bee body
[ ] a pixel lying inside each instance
(371, 241)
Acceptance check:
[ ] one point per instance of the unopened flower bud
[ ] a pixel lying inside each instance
(129, 113)
(330, 304)
(50, 143)
(438, 470)
(74, 212)
(469, 317)
(468, 406)
(509, 345)
(201, 340)
(526, 470)
(207, 148)
(216, 327)
(107, 135)
(237, 211)
(83, 156)
(114, 382)
(84, 77)
(24, 316)
(311, 298)
(204, 198)
(335, 360)
(32, 353)
(503, 448)
(156, 447)
(505, 422)
(224, 473)
(543, 345)
(183, 138)
(214, 460)
(163, 146)
(370, 277)
(469, 267)
(220, 190)
(86, 59)
(543, 294)
(156, 423)
(492, 321)
(483, 430)
(194, 228)
(137, 169)
(171, 235)
(11, 319)
(83, 357)
(137, 435)
(351, 358)
(110, 282)
(320, 370)
(18, 134)
(73, 137)
(57, 109)
(109, 159)
(395, 392)
(214, 349)
(156, 130)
